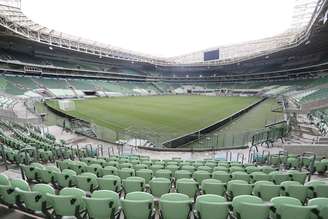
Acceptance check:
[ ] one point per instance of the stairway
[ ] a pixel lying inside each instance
(158, 88)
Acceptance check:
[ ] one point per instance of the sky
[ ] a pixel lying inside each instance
(164, 28)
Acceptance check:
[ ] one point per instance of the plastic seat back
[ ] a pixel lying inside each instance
(138, 205)
(188, 187)
(213, 186)
(33, 199)
(102, 204)
(175, 206)
(133, 184)
(159, 186)
(211, 207)
(110, 182)
(322, 205)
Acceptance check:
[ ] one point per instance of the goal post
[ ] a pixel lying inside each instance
(66, 105)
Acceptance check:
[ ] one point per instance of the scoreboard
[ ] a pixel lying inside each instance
(212, 55)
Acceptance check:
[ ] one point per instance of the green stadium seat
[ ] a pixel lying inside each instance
(238, 201)
(180, 174)
(321, 204)
(69, 202)
(255, 210)
(267, 169)
(65, 179)
(133, 184)
(259, 176)
(138, 205)
(31, 171)
(238, 187)
(112, 163)
(47, 175)
(188, 187)
(140, 166)
(87, 181)
(294, 189)
(200, 175)
(211, 207)
(175, 206)
(205, 168)
(189, 168)
(222, 176)
(34, 199)
(221, 168)
(239, 175)
(125, 173)
(321, 191)
(125, 165)
(266, 190)
(172, 168)
(164, 173)
(110, 170)
(156, 167)
(96, 169)
(279, 177)
(9, 192)
(297, 176)
(277, 202)
(102, 204)
(159, 186)
(213, 186)
(110, 182)
(236, 169)
(146, 174)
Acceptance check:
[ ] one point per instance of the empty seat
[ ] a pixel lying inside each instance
(188, 187)
(110, 170)
(211, 207)
(260, 176)
(294, 189)
(147, 174)
(67, 202)
(133, 184)
(279, 177)
(180, 174)
(238, 175)
(200, 175)
(110, 182)
(102, 204)
(247, 206)
(159, 186)
(65, 179)
(213, 186)
(222, 176)
(138, 205)
(125, 173)
(175, 206)
(266, 190)
(96, 169)
(298, 176)
(33, 199)
(9, 192)
(87, 181)
(238, 187)
(321, 205)
(164, 173)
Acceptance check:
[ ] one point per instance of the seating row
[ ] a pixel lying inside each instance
(43, 200)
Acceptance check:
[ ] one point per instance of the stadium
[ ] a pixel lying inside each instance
(90, 130)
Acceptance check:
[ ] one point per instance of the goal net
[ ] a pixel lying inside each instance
(66, 105)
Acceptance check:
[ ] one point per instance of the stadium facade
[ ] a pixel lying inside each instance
(300, 52)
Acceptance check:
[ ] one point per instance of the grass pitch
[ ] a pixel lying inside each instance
(169, 116)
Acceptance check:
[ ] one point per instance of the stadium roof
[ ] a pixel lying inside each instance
(304, 13)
